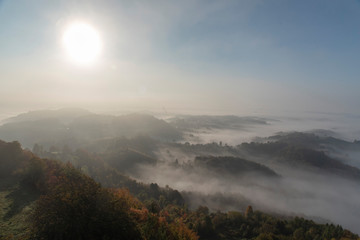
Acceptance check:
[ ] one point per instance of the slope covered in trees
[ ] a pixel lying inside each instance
(300, 156)
(67, 204)
(71, 205)
(233, 166)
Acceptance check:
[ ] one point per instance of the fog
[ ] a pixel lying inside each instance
(297, 190)
(321, 197)
(310, 193)
(328, 124)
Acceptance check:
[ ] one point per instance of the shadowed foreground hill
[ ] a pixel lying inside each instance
(71, 205)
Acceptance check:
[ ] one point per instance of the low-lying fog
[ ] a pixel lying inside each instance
(341, 126)
(317, 195)
(321, 197)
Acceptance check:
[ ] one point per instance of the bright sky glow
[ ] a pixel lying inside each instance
(234, 57)
(82, 43)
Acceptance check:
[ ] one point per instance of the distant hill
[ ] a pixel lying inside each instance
(304, 150)
(188, 122)
(314, 140)
(319, 160)
(233, 166)
(127, 160)
(102, 126)
(73, 127)
(64, 115)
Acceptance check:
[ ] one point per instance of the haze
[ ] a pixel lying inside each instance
(235, 57)
(222, 104)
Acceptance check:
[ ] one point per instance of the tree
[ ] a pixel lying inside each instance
(76, 207)
(248, 212)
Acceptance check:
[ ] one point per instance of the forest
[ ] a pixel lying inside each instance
(55, 200)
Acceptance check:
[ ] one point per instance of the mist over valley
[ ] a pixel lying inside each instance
(312, 173)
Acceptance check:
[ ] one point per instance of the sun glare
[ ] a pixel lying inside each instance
(82, 43)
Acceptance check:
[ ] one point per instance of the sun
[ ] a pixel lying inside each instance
(82, 43)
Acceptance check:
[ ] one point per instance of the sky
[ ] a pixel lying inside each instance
(201, 56)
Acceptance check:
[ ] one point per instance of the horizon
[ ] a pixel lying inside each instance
(343, 126)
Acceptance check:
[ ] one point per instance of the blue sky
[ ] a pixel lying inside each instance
(228, 56)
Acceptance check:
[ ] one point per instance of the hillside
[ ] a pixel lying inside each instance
(64, 115)
(80, 127)
(193, 122)
(317, 141)
(231, 166)
(302, 150)
(45, 199)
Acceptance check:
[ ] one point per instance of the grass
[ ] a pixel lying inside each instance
(16, 203)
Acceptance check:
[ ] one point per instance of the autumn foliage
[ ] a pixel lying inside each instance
(74, 206)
